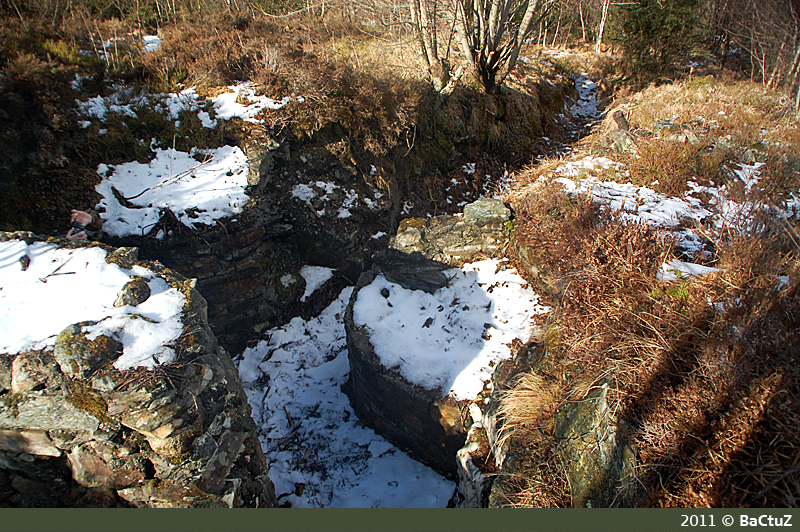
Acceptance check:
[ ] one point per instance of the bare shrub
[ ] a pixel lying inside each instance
(667, 165)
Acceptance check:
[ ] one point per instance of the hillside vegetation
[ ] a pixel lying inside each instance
(703, 368)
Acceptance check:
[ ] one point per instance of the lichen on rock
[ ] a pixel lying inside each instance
(175, 435)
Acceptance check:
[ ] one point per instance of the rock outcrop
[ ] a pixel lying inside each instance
(455, 239)
(590, 440)
(75, 431)
(427, 423)
(248, 267)
(598, 462)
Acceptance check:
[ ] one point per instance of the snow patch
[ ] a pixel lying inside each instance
(151, 43)
(315, 277)
(61, 287)
(677, 269)
(320, 455)
(459, 333)
(242, 101)
(197, 192)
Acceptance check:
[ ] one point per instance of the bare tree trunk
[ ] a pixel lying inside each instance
(544, 37)
(797, 99)
(583, 26)
(794, 70)
(555, 37)
(488, 37)
(426, 35)
(17, 10)
(774, 78)
(598, 46)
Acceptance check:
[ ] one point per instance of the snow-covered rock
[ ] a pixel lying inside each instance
(115, 392)
(424, 338)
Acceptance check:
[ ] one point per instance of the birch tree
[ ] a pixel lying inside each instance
(425, 18)
(490, 34)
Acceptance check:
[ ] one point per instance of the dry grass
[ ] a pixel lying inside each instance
(666, 166)
(707, 369)
(527, 412)
(713, 109)
(710, 394)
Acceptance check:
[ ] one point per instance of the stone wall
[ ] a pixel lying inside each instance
(426, 423)
(74, 431)
(248, 267)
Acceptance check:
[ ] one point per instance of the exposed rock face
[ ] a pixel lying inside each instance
(486, 211)
(507, 456)
(238, 265)
(75, 431)
(412, 272)
(453, 239)
(590, 441)
(476, 464)
(426, 423)
(599, 464)
(248, 267)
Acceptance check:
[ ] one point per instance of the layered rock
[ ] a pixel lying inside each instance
(589, 438)
(427, 423)
(248, 267)
(75, 431)
(454, 239)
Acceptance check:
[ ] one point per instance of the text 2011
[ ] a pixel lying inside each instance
(698, 520)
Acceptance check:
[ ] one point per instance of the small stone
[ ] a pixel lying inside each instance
(486, 211)
(30, 371)
(619, 141)
(124, 257)
(622, 122)
(46, 413)
(135, 292)
(5, 373)
(90, 469)
(666, 126)
(35, 442)
(410, 237)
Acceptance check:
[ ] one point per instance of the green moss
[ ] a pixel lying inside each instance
(12, 402)
(91, 403)
(704, 82)
(178, 459)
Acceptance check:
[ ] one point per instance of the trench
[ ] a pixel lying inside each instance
(256, 272)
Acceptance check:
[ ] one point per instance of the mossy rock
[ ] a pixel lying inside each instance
(80, 357)
(124, 257)
(135, 292)
(27, 236)
(90, 403)
(592, 446)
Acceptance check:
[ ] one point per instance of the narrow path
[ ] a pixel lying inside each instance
(320, 454)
